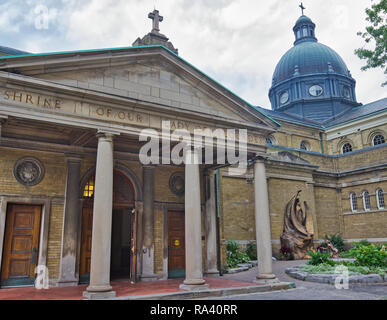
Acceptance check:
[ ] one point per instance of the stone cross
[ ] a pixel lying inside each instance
(302, 8)
(156, 19)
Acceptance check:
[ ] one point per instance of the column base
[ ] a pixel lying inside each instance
(150, 277)
(105, 295)
(266, 278)
(194, 285)
(67, 283)
(211, 273)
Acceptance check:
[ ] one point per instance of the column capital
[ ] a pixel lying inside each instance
(107, 134)
(73, 157)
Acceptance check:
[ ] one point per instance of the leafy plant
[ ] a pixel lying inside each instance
(337, 241)
(375, 36)
(318, 257)
(372, 255)
(251, 250)
(235, 254)
(352, 268)
(286, 253)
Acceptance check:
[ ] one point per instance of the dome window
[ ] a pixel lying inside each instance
(347, 92)
(347, 147)
(378, 139)
(316, 90)
(284, 97)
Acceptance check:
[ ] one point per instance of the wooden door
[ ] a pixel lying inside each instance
(21, 245)
(87, 230)
(176, 244)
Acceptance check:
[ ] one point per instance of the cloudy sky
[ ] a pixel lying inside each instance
(236, 42)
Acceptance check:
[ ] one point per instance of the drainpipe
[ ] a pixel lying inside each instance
(218, 222)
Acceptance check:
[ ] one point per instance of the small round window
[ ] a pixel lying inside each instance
(315, 90)
(284, 97)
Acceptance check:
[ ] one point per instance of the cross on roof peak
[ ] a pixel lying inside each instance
(302, 8)
(156, 19)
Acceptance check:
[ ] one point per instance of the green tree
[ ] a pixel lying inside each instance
(375, 34)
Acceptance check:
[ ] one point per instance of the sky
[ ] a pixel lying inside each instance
(236, 42)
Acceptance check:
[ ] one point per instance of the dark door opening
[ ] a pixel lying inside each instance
(121, 244)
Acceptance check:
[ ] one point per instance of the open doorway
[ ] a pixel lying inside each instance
(123, 229)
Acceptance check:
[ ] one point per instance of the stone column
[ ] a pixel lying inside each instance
(99, 287)
(262, 225)
(148, 223)
(210, 225)
(68, 264)
(193, 237)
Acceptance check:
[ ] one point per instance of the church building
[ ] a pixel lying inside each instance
(77, 202)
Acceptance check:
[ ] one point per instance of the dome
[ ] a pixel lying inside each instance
(311, 80)
(307, 58)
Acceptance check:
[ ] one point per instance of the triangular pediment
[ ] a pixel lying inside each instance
(151, 75)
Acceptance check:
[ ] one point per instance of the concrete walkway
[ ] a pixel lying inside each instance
(161, 289)
(307, 290)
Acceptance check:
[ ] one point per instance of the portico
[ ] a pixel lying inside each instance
(94, 124)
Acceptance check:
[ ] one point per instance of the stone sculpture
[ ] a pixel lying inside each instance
(295, 235)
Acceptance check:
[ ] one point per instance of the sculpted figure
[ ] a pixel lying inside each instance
(295, 235)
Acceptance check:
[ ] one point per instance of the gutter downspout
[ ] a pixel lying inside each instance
(218, 222)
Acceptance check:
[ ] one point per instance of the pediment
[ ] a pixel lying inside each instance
(161, 79)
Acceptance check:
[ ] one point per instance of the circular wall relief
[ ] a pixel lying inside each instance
(28, 171)
(177, 183)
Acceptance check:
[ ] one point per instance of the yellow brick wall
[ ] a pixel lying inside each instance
(158, 240)
(55, 240)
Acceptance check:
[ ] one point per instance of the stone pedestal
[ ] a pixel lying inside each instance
(68, 264)
(210, 226)
(100, 287)
(193, 238)
(262, 225)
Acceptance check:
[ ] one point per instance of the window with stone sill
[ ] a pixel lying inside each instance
(353, 201)
(366, 201)
(378, 139)
(380, 198)
(347, 147)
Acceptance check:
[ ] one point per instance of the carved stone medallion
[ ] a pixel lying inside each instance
(177, 183)
(28, 171)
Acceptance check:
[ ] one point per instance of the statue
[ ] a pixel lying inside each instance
(295, 236)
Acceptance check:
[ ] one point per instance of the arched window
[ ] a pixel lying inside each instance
(378, 139)
(380, 198)
(353, 200)
(347, 147)
(88, 191)
(304, 145)
(270, 140)
(366, 201)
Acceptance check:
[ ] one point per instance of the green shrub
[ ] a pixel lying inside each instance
(251, 250)
(337, 241)
(319, 258)
(235, 254)
(364, 242)
(352, 269)
(370, 255)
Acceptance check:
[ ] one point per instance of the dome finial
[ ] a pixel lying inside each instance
(302, 8)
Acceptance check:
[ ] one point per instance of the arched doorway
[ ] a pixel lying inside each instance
(123, 227)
